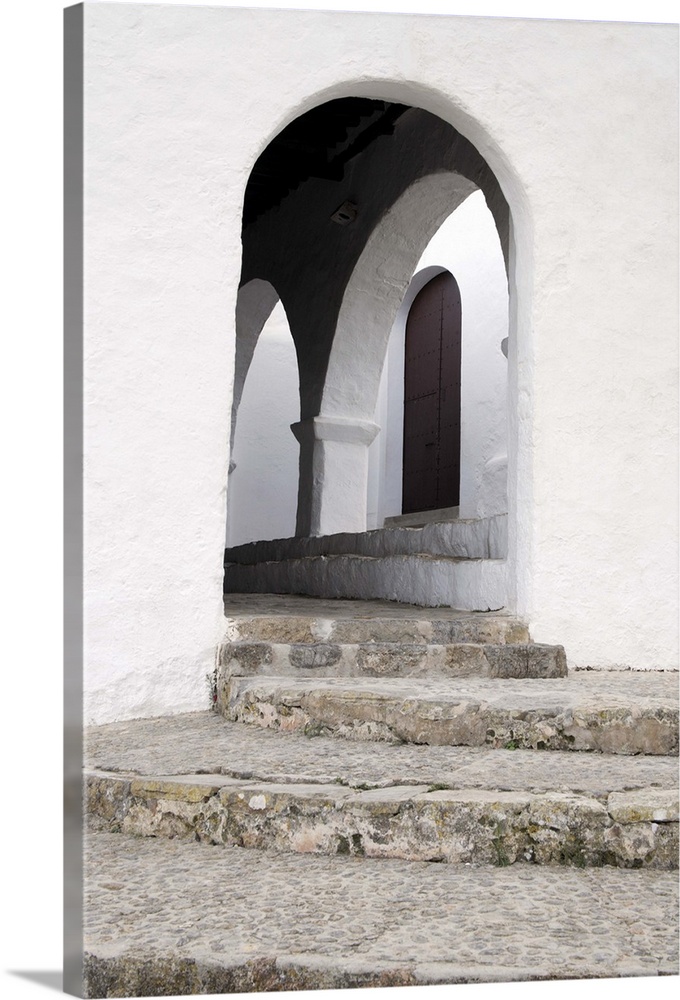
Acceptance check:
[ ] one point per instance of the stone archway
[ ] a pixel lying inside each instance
(466, 245)
(339, 234)
(362, 184)
(369, 307)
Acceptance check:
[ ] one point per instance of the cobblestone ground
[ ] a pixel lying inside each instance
(152, 900)
(204, 742)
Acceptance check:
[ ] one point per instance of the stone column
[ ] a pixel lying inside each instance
(333, 474)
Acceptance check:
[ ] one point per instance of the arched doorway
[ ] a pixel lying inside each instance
(432, 366)
(467, 246)
(338, 211)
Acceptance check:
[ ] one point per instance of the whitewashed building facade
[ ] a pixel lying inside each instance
(196, 226)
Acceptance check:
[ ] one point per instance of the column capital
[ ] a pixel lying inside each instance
(349, 430)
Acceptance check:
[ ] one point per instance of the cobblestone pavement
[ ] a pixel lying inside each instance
(149, 900)
(204, 742)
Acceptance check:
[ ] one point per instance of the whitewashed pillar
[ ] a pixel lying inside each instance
(333, 479)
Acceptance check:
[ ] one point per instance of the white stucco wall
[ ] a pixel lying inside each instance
(579, 123)
(263, 484)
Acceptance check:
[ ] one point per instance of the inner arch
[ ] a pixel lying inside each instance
(337, 211)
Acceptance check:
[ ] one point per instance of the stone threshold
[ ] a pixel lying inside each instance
(339, 625)
(418, 519)
(243, 607)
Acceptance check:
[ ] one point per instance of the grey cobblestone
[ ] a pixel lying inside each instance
(165, 915)
(453, 804)
(176, 913)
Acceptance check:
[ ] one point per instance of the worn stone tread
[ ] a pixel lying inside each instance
(266, 789)
(296, 618)
(164, 917)
(617, 712)
(473, 627)
(204, 742)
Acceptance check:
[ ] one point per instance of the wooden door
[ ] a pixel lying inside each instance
(431, 470)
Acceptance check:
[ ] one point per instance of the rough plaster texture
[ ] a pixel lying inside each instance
(577, 122)
(459, 564)
(484, 538)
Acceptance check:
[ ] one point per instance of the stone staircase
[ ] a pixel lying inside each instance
(457, 564)
(385, 796)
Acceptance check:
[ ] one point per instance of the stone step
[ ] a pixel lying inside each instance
(390, 659)
(481, 538)
(624, 712)
(175, 917)
(417, 823)
(199, 777)
(398, 623)
(205, 743)
(429, 581)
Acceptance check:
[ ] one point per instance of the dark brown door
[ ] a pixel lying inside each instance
(431, 477)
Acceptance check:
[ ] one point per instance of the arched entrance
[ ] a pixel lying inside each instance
(432, 378)
(338, 211)
(466, 245)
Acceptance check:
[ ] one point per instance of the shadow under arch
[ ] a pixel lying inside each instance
(450, 109)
